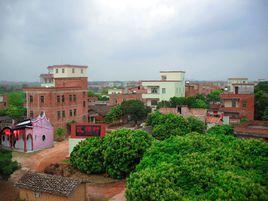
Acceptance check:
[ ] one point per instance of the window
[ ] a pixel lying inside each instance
(62, 70)
(43, 138)
(164, 77)
(70, 98)
(84, 93)
(58, 99)
(244, 104)
(3, 138)
(42, 99)
(57, 70)
(163, 90)
(71, 113)
(74, 97)
(82, 71)
(73, 70)
(233, 103)
(31, 98)
(58, 114)
(84, 103)
(63, 114)
(154, 90)
(62, 98)
(74, 112)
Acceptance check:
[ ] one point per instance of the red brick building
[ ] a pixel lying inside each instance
(237, 106)
(3, 102)
(117, 99)
(192, 89)
(62, 95)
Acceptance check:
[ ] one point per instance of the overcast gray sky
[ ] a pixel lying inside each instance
(135, 39)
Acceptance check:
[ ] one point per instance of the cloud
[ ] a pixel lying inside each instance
(134, 39)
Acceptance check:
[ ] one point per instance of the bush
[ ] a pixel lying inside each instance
(60, 132)
(196, 125)
(7, 166)
(117, 153)
(124, 150)
(168, 125)
(221, 130)
(87, 156)
(201, 167)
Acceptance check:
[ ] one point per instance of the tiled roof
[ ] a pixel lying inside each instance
(57, 185)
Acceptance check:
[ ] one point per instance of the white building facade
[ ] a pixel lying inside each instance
(172, 84)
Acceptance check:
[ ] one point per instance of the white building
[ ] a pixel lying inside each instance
(172, 84)
(240, 86)
(62, 71)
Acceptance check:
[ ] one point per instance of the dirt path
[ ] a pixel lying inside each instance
(40, 160)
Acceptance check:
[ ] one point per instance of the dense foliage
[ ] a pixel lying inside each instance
(214, 96)
(166, 125)
(261, 101)
(213, 166)
(123, 150)
(114, 114)
(15, 107)
(117, 153)
(191, 102)
(135, 110)
(7, 166)
(132, 110)
(87, 156)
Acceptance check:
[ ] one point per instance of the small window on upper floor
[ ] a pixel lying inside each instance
(58, 99)
(163, 90)
(244, 104)
(62, 70)
(31, 98)
(82, 71)
(164, 77)
(73, 70)
(42, 99)
(57, 70)
(62, 98)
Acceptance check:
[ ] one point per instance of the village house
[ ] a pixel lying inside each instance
(44, 187)
(172, 84)
(205, 88)
(252, 129)
(3, 102)
(62, 95)
(28, 135)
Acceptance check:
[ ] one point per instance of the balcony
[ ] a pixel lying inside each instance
(151, 96)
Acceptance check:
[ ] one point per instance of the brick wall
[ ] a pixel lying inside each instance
(116, 99)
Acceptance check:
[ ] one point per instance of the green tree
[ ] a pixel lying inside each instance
(7, 166)
(196, 125)
(87, 156)
(177, 101)
(261, 100)
(60, 132)
(214, 96)
(15, 107)
(135, 110)
(114, 114)
(124, 149)
(201, 167)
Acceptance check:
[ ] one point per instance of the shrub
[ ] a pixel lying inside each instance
(168, 125)
(7, 166)
(221, 130)
(123, 150)
(201, 167)
(196, 125)
(60, 132)
(87, 156)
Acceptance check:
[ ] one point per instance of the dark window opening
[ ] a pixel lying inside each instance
(62, 98)
(58, 99)
(43, 137)
(42, 99)
(58, 114)
(31, 98)
(63, 114)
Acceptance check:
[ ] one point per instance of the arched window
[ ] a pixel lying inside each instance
(43, 138)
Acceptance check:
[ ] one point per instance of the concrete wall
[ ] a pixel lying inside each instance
(73, 142)
(68, 72)
(178, 76)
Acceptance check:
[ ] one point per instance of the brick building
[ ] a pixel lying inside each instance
(62, 95)
(192, 89)
(237, 106)
(117, 99)
(3, 102)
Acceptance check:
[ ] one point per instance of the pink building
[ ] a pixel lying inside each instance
(28, 135)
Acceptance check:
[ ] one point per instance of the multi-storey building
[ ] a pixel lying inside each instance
(62, 95)
(193, 88)
(172, 84)
(240, 86)
(3, 102)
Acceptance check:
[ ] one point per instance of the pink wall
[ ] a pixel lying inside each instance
(42, 127)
